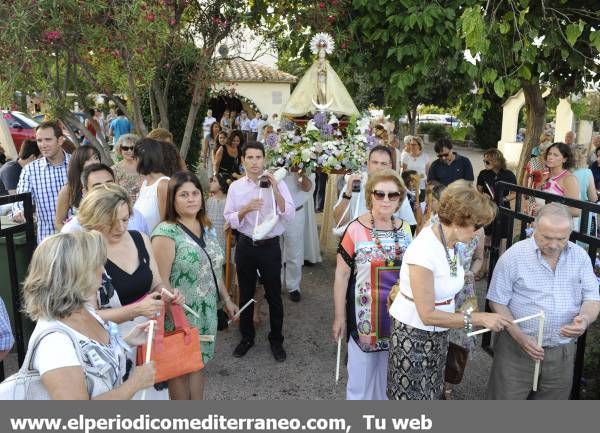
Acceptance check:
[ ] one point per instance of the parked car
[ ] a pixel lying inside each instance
(20, 125)
(442, 119)
(80, 116)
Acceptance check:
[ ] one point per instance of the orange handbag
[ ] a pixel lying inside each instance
(174, 353)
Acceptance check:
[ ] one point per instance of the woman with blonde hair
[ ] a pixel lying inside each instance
(371, 249)
(413, 158)
(126, 173)
(423, 309)
(76, 352)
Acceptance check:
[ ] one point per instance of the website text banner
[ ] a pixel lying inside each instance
(299, 416)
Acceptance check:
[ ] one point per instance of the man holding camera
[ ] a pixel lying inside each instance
(353, 194)
(245, 208)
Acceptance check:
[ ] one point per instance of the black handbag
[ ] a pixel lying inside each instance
(222, 318)
(456, 361)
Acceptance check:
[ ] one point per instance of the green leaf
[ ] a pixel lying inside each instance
(504, 28)
(490, 75)
(573, 32)
(499, 87)
(595, 39)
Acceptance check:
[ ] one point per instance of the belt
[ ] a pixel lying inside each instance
(299, 207)
(446, 302)
(260, 243)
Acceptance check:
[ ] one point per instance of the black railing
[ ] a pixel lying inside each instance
(8, 233)
(579, 234)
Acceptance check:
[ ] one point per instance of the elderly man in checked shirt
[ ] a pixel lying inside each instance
(6, 337)
(543, 273)
(43, 178)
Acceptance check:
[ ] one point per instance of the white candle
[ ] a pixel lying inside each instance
(536, 371)
(148, 349)
(246, 305)
(337, 365)
(522, 319)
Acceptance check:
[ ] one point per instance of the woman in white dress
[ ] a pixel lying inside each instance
(416, 159)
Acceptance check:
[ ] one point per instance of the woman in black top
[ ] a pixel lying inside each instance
(495, 171)
(227, 158)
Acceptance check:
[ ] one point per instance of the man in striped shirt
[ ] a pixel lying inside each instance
(43, 178)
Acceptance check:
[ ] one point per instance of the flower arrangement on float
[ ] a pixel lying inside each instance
(320, 147)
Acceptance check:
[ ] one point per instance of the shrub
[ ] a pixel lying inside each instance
(434, 130)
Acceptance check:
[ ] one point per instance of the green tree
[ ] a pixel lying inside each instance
(534, 46)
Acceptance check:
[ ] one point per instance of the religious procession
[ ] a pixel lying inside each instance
(309, 249)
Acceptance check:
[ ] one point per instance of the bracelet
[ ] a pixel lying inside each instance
(346, 196)
(468, 319)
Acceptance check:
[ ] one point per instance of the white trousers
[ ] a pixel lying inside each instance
(367, 374)
(293, 251)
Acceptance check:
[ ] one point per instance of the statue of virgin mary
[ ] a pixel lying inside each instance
(320, 89)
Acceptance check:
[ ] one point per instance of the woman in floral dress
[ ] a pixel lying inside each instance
(125, 170)
(191, 261)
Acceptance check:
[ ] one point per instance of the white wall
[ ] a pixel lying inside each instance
(269, 97)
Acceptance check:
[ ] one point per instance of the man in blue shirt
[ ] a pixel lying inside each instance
(543, 273)
(6, 337)
(119, 126)
(449, 166)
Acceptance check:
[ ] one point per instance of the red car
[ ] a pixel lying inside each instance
(20, 125)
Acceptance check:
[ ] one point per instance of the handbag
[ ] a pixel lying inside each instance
(456, 362)
(175, 353)
(222, 318)
(26, 384)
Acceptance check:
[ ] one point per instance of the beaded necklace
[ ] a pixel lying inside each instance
(389, 262)
(453, 263)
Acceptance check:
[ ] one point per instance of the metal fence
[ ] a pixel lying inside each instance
(8, 234)
(580, 234)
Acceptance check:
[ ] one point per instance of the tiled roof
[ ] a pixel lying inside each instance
(236, 70)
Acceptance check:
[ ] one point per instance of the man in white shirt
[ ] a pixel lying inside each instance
(380, 158)
(245, 126)
(208, 121)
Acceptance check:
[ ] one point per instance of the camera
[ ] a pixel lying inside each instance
(356, 185)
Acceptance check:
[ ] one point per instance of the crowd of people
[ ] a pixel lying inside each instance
(119, 246)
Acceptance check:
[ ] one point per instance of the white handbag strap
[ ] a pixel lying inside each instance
(27, 366)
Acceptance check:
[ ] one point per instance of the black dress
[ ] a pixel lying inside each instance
(229, 164)
(131, 287)
(487, 180)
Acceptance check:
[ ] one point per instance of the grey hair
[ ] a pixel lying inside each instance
(408, 139)
(556, 210)
(127, 138)
(63, 274)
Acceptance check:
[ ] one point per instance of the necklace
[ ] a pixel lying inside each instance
(389, 262)
(453, 263)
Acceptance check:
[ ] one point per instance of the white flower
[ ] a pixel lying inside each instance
(537, 41)
(469, 57)
(305, 155)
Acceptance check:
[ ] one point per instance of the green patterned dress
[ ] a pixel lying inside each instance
(191, 274)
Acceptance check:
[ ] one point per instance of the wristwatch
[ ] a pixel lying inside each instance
(346, 196)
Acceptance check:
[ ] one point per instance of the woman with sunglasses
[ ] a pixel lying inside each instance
(424, 308)
(372, 244)
(125, 170)
(495, 171)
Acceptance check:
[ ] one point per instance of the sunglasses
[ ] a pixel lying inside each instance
(477, 226)
(126, 148)
(380, 195)
(443, 155)
(486, 162)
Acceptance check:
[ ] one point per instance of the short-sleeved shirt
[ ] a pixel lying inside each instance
(526, 284)
(445, 174)
(6, 336)
(489, 178)
(427, 251)
(9, 176)
(418, 164)
(368, 320)
(104, 364)
(120, 126)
